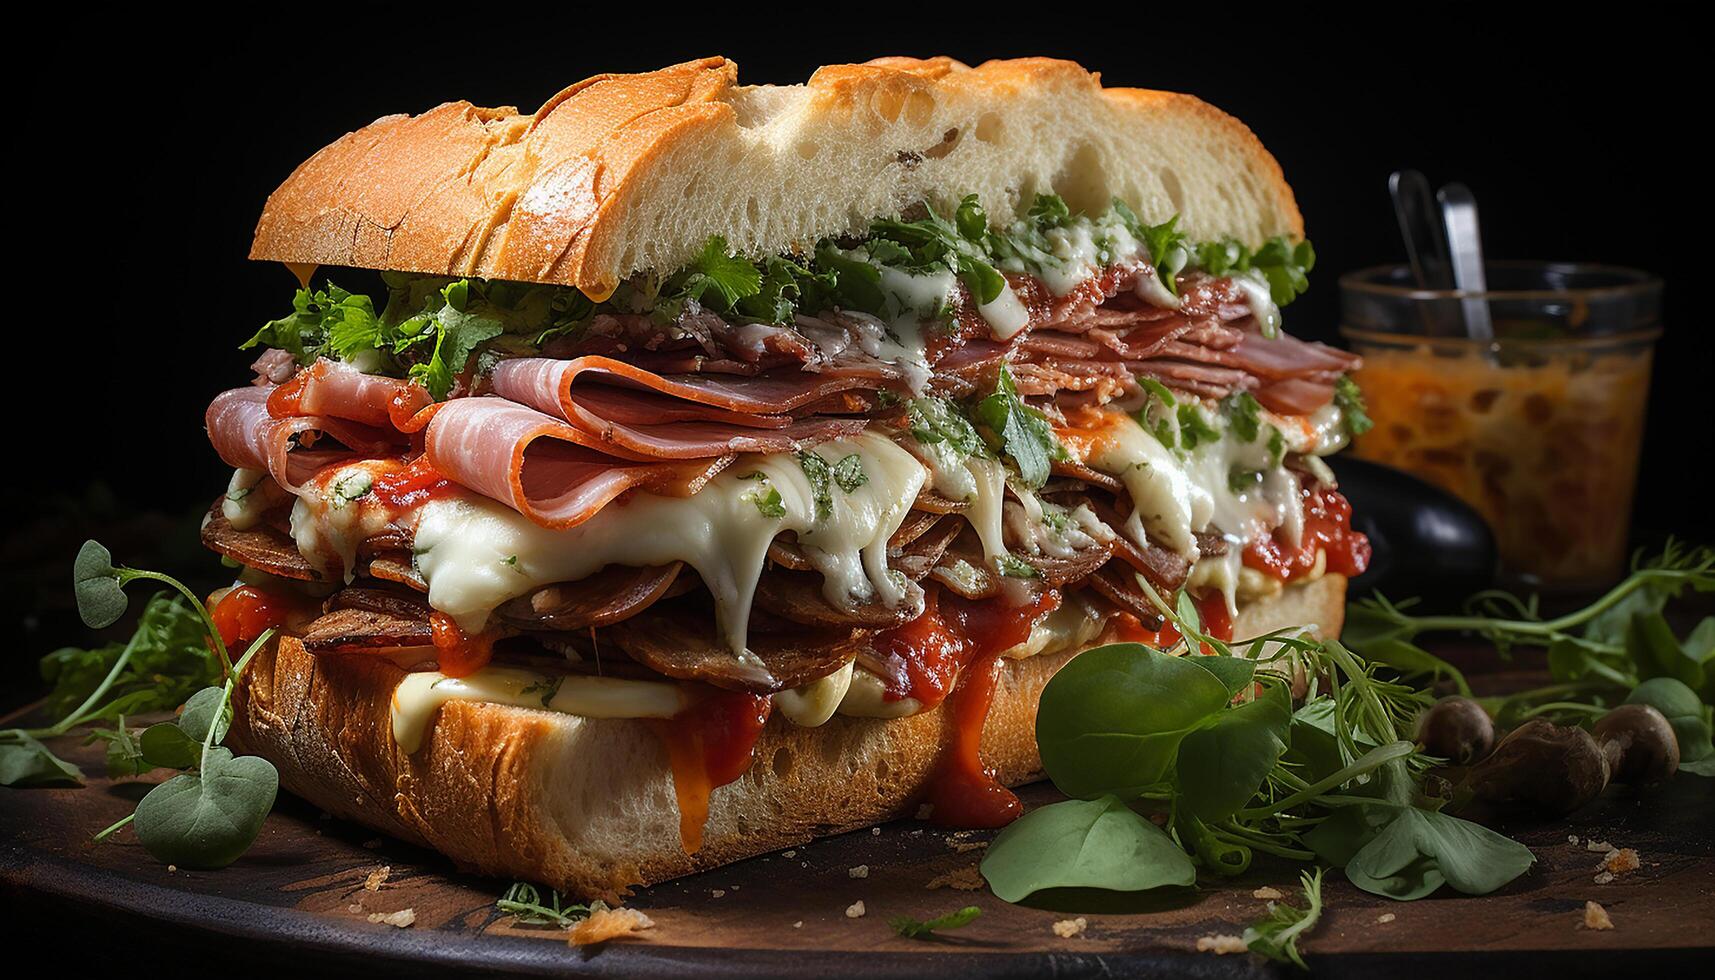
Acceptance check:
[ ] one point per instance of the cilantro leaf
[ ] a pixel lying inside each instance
(1243, 415)
(934, 420)
(1194, 431)
(318, 317)
(1350, 399)
(820, 474)
(849, 474)
(716, 278)
(1023, 433)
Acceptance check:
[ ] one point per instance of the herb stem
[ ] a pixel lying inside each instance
(76, 718)
(110, 831)
(1368, 762)
(1547, 628)
(128, 574)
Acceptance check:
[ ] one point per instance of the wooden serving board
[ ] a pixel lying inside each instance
(297, 900)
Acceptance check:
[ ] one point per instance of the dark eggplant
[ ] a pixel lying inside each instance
(1427, 542)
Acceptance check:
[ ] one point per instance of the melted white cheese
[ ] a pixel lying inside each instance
(420, 695)
(1005, 314)
(475, 553)
(811, 705)
(333, 515)
(250, 494)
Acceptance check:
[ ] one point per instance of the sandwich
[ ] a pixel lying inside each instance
(706, 467)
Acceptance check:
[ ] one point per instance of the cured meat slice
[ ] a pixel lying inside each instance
(292, 449)
(578, 390)
(262, 547)
(610, 595)
(679, 639)
(797, 596)
(338, 390)
(556, 475)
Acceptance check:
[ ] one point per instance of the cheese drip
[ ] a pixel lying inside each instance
(475, 553)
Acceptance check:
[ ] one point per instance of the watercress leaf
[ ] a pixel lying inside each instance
(1345, 831)
(206, 705)
(1656, 651)
(24, 761)
(1222, 764)
(170, 659)
(1702, 767)
(1419, 850)
(95, 583)
(1112, 719)
(207, 819)
(1413, 660)
(1235, 673)
(124, 752)
(1684, 710)
(165, 745)
(1098, 843)
(1312, 743)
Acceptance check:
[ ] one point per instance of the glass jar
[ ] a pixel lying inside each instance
(1538, 429)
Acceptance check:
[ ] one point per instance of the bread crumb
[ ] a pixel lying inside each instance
(172, 869)
(1384, 918)
(855, 910)
(789, 854)
(604, 923)
(965, 847)
(799, 924)
(861, 871)
(1603, 878)
(1271, 894)
(1222, 945)
(717, 893)
(966, 879)
(875, 831)
(1067, 928)
(1621, 861)
(1572, 839)
(400, 919)
(377, 878)
(1599, 846)
(354, 907)
(1596, 917)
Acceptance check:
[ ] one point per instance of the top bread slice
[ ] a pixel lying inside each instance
(622, 173)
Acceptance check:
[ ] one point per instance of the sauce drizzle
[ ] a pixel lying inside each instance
(709, 745)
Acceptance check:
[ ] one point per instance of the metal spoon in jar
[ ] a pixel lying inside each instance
(1465, 243)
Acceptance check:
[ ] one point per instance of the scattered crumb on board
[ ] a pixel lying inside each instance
(966, 879)
(1385, 918)
(400, 919)
(855, 910)
(861, 871)
(1268, 894)
(1596, 917)
(377, 878)
(1221, 945)
(1067, 928)
(604, 923)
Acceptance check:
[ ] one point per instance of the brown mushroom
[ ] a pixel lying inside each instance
(1458, 730)
(1639, 744)
(1544, 766)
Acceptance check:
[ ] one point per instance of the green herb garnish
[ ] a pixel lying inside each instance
(1276, 935)
(1350, 400)
(912, 929)
(1021, 433)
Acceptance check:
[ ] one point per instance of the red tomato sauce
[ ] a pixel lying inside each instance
(246, 612)
(410, 485)
(710, 744)
(457, 653)
(952, 653)
(1327, 528)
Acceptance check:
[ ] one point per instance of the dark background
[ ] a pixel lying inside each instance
(146, 151)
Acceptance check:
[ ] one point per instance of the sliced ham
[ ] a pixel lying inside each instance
(578, 390)
(292, 449)
(337, 390)
(556, 475)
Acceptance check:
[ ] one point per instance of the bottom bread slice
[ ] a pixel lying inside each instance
(587, 805)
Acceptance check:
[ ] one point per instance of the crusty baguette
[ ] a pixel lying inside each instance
(587, 806)
(626, 172)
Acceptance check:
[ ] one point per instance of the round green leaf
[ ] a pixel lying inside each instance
(1112, 719)
(95, 583)
(1419, 850)
(1222, 764)
(208, 819)
(167, 746)
(1683, 709)
(203, 707)
(1084, 843)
